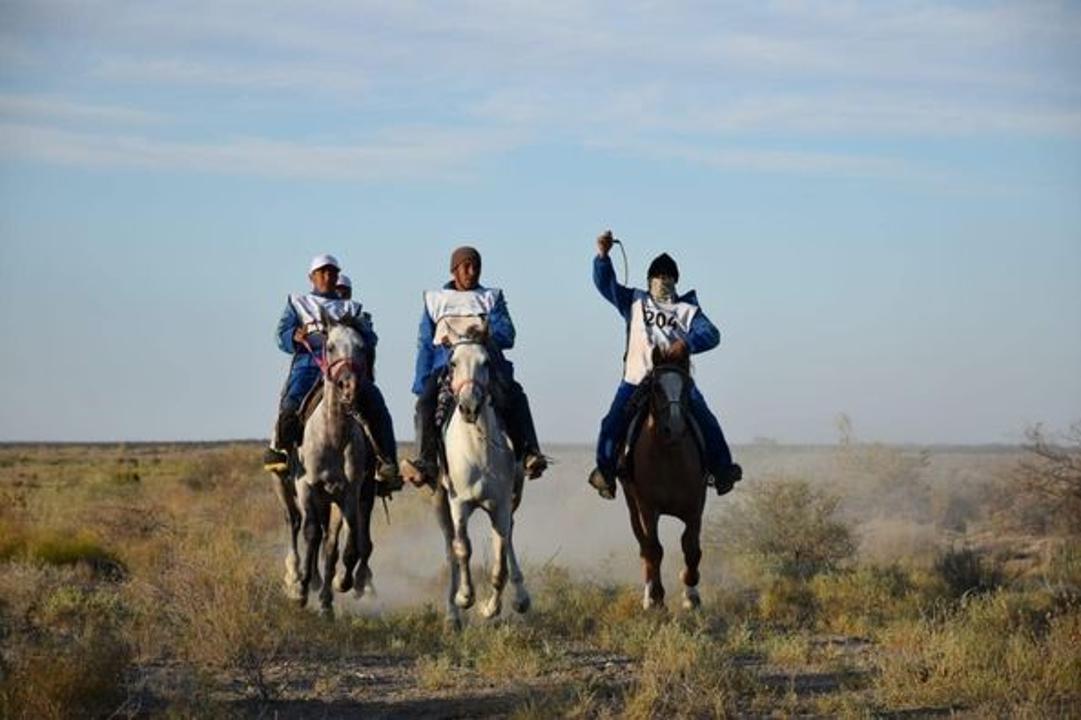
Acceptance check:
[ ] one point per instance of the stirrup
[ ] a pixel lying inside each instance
(275, 460)
(388, 479)
(605, 487)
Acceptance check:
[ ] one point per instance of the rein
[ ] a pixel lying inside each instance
(332, 369)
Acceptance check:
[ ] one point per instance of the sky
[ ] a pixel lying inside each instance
(878, 203)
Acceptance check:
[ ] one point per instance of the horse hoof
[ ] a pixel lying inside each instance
(343, 583)
(521, 605)
(653, 604)
(464, 600)
(491, 609)
(691, 601)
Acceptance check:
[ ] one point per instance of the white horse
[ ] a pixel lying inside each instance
(331, 484)
(480, 474)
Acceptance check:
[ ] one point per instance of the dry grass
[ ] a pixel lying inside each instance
(102, 572)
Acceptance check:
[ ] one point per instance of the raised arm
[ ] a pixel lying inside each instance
(604, 278)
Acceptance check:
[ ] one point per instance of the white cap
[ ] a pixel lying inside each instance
(322, 261)
(343, 280)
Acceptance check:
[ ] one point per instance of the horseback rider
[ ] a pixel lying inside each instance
(463, 296)
(673, 324)
(301, 334)
(344, 288)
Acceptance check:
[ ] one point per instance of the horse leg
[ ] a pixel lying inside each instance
(463, 551)
(331, 520)
(692, 555)
(312, 533)
(649, 548)
(287, 496)
(343, 580)
(522, 601)
(652, 553)
(500, 535)
(442, 513)
(362, 576)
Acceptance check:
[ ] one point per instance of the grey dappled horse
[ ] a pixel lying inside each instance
(330, 490)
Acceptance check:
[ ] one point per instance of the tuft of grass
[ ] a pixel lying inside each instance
(964, 571)
(685, 673)
(68, 650)
(1000, 650)
(58, 547)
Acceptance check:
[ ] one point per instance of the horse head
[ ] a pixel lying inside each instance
(345, 359)
(669, 397)
(469, 374)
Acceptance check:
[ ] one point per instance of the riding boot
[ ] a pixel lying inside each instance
(726, 477)
(604, 484)
(374, 413)
(522, 432)
(424, 468)
(287, 435)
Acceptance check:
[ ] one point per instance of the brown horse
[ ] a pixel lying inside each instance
(667, 477)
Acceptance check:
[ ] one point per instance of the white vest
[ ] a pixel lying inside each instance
(653, 324)
(454, 311)
(307, 309)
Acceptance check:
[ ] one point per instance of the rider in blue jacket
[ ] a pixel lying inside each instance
(464, 296)
(657, 318)
(300, 334)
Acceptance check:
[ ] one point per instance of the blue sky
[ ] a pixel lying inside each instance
(879, 203)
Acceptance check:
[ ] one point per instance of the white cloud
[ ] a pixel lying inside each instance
(707, 74)
(46, 107)
(402, 154)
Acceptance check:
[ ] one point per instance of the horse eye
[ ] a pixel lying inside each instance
(331, 347)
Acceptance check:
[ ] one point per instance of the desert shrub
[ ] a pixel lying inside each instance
(998, 651)
(1063, 571)
(882, 480)
(965, 571)
(868, 597)
(684, 673)
(65, 649)
(58, 546)
(789, 528)
(1042, 492)
(214, 608)
(788, 602)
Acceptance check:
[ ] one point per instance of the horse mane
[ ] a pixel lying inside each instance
(682, 363)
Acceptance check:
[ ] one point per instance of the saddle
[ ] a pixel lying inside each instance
(637, 409)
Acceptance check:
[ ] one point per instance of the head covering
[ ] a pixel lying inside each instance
(663, 265)
(343, 280)
(322, 261)
(462, 254)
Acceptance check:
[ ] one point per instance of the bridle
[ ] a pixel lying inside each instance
(333, 369)
(681, 402)
(456, 386)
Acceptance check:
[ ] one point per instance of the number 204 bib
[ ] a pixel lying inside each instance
(653, 324)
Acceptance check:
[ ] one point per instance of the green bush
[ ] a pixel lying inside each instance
(789, 528)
